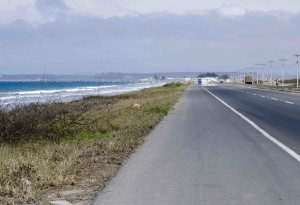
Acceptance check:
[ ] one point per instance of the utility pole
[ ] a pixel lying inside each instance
(271, 70)
(264, 68)
(235, 77)
(257, 67)
(282, 74)
(264, 72)
(297, 55)
(256, 76)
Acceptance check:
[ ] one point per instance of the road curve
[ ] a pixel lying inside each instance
(203, 153)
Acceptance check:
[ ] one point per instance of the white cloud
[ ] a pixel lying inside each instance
(21, 10)
(165, 42)
(110, 8)
(25, 10)
(28, 10)
(232, 11)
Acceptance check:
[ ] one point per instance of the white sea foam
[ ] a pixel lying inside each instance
(25, 97)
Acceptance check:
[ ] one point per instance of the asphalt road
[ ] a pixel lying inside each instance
(204, 153)
(277, 113)
(288, 96)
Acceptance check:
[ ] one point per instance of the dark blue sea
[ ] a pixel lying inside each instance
(13, 93)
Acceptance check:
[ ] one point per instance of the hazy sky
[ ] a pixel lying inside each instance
(92, 36)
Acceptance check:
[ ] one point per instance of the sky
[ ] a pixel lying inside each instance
(94, 36)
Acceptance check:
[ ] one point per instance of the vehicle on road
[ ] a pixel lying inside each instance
(248, 79)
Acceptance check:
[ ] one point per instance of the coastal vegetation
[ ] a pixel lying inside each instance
(47, 148)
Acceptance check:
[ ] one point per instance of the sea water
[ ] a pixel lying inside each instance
(14, 93)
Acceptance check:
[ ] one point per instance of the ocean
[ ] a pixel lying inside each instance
(14, 93)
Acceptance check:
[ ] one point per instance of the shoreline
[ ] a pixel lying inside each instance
(78, 165)
(68, 94)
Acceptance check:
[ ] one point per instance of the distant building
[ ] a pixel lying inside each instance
(146, 80)
(208, 80)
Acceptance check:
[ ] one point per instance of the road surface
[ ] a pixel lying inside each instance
(276, 112)
(204, 153)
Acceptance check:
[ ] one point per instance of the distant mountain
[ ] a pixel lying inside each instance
(111, 77)
(139, 76)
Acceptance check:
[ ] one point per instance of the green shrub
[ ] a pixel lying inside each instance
(160, 110)
(173, 85)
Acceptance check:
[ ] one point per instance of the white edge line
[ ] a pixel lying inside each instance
(267, 135)
(263, 96)
(289, 102)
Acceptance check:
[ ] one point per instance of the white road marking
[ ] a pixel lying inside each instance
(289, 102)
(263, 96)
(267, 135)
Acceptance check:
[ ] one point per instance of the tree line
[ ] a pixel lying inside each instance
(213, 75)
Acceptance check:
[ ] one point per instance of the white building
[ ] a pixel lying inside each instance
(146, 80)
(209, 80)
(187, 79)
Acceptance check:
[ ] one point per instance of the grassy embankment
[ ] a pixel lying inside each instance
(80, 144)
(291, 82)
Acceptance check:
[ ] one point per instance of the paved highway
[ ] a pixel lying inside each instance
(205, 153)
(275, 112)
(288, 97)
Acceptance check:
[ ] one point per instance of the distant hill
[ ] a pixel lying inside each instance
(111, 77)
(138, 76)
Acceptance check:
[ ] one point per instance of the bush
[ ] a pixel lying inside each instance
(172, 85)
(36, 121)
(159, 110)
(52, 121)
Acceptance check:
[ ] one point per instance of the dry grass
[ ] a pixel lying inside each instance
(80, 145)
